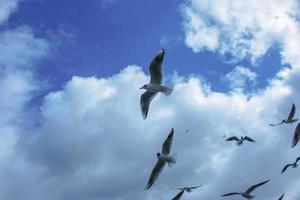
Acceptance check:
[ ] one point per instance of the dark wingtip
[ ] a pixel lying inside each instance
(148, 186)
(172, 131)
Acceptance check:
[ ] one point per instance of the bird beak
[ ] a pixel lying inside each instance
(141, 88)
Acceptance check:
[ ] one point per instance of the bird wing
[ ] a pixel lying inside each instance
(256, 186)
(230, 194)
(297, 159)
(195, 187)
(166, 148)
(285, 167)
(155, 69)
(296, 135)
(292, 112)
(232, 138)
(155, 173)
(281, 197)
(178, 196)
(146, 98)
(276, 124)
(249, 139)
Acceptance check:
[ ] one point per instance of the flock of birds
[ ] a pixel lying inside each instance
(165, 158)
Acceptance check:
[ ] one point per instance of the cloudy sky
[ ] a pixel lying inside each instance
(70, 120)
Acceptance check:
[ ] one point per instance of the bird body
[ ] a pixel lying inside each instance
(247, 193)
(293, 165)
(166, 158)
(163, 158)
(155, 86)
(290, 119)
(241, 140)
(183, 189)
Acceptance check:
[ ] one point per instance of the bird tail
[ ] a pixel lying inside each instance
(172, 160)
(167, 91)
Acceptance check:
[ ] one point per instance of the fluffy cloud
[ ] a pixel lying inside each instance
(242, 28)
(94, 144)
(6, 8)
(239, 77)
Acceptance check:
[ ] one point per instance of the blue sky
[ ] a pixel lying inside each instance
(101, 39)
(70, 120)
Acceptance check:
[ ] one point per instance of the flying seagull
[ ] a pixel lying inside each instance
(162, 159)
(294, 165)
(155, 85)
(188, 189)
(247, 194)
(281, 197)
(290, 119)
(240, 141)
(296, 136)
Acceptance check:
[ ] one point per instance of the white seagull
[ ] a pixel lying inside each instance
(155, 85)
(240, 141)
(162, 159)
(294, 165)
(290, 119)
(247, 194)
(296, 136)
(188, 189)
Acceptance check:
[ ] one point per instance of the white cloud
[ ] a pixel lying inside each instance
(6, 8)
(239, 77)
(242, 28)
(93, 134)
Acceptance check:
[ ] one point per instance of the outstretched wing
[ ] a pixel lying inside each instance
(281, 197)
(166, 148)
(256, 186)
(155, 68)
(296, 136)
(285, 167)
(195, 187)
(249, 139)
(146, 98)
(297, 159)
(190, 189)
(230, 194)
(276, 124)
(178, 196)
(292, 112)
(232, 138)
(155, 173)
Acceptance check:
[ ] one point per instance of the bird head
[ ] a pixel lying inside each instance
(158, 155)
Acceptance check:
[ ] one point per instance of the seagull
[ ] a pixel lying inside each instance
(247, 194)
(281, 197)
(294, 165)
(162, 159)
(290, 119)
(296, 136)
(188, 189)
(155, 85)
(240, 141)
